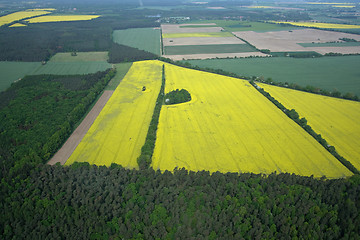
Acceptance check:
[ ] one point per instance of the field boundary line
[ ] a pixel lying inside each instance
(75, 138)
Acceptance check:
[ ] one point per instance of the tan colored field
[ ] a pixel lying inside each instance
(175, 28)
(201, 41)
(337, 120)
(214, 55)
(230, 127)
(286, 41)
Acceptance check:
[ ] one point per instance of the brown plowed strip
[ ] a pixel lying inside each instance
(73, 141)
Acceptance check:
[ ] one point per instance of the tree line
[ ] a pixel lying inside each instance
(292, 114)
(85, 201)
(39, 115)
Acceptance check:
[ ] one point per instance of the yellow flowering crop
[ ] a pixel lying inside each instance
(204, 34)
(20, 15)
(230, 127)
(18, 25)
(119, 131)
(320, 25)
(62, 18)
(337, 120)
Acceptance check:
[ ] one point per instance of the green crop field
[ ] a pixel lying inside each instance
(13, 71)
(121, 70)
(147, 39)
(335, 44)
(80, 57)
(71, 68)
(340, 73)
(236, 26)
(202, 49)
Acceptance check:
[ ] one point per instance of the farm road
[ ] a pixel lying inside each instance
(68, 148)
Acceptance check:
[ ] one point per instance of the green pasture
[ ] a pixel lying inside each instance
(13, 71)
(330, 73)
(237, 26)
(335, 44)
(80, 57)
(213, 48)
(121, 70)
(147, 39)
(71, 68)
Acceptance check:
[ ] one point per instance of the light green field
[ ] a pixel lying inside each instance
(340, 44)
(147, 39)
(236, 26)
(330, 73)
(71, 68)
(121, 70)
(203, 49)
(13, 71)
(80, 57)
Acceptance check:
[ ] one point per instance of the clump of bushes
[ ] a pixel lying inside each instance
(177, 96)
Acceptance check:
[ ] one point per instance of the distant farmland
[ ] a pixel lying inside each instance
(201, 49)
(80, 57)
(147, 39)
(71, 68)
(13, 71)
(330, 73)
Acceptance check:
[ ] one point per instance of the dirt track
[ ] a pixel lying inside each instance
(68, 148)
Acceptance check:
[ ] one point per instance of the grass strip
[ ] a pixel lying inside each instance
(144, 160)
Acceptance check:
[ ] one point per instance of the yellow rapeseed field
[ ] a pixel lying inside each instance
(7, 19)
(204, 34)
(320, 25)
(230, 127)
(337, 120)
(119, 131)
(62, 18)
(18, 25)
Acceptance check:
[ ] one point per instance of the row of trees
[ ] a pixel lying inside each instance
(303, 123)
(144, 160)
(121, 53)
(40, 114)
(308, 88)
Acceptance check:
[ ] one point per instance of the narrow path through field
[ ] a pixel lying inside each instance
(68, 148)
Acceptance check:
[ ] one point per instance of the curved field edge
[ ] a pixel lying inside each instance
(119, 132)
(335, 119)
(233, 128)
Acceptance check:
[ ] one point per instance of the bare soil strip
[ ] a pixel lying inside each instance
(283, 41)
(214, 55)
(175, 28)
(201, 41)
(73, 141)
